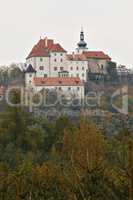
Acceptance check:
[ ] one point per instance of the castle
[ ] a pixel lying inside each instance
(49, 66)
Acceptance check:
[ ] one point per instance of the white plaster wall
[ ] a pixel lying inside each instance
(97, 65)
(45, 63)
(65, 89)
(81, 50)
(36, 62)
(58, 60)
(81, 72)
(104, 64)
(29, 79)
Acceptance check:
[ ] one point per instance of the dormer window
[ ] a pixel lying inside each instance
(41, 59)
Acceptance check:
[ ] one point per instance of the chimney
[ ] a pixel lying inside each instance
(50, 43)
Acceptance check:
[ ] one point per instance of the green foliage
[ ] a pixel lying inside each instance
(10, 75)
(63, 160)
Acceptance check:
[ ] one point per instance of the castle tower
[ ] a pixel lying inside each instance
(82, 45)
(30, 73)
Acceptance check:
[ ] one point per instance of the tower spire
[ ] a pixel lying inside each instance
(82, 45)
(82, 35)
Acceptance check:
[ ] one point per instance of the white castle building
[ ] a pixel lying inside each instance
(49, 66)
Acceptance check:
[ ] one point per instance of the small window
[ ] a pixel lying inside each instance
(78, 88)
(61, 68)
(55, 60)
(41, 68)
(41, 59)
(83, 68)
(45, 75)
(29, 81)
(82, 75)
(69, 88)
(89, 70)
(71, 68)
(61, 54)
(55, 68)
(61, 60)
(77, 75)
(59, 88)
(77, 68)
(55, 54)
(30, 75)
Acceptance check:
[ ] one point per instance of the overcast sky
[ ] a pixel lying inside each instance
(107, 25)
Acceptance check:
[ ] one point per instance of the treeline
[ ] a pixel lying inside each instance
(62, 160)
(11, 75)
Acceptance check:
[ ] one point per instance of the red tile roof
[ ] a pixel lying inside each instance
(57, 48)
(44, 47)
(77, 57)
(96, 55)
(38, 50)
(57, 81)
